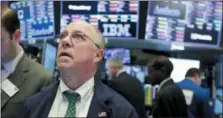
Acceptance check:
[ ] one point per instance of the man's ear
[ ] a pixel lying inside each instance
(17, 35)
(99, 55)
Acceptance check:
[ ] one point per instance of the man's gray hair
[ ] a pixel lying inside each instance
(115, 62)
(100, 41)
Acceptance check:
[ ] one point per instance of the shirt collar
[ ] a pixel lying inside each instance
(11, 65)
(120, 71)
(82, 90)
(163, 82)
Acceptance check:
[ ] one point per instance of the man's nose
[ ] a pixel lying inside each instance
(66, 42)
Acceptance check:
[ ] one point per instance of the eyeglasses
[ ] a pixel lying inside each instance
(77, 36)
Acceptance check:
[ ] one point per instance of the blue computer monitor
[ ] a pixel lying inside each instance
(122, 53)
(115, 19)
(191, 22)
(50, 57)
(218, 107)
(36, 19)
(140, 72)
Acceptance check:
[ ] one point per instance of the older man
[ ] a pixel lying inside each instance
(126, 85)
(78, 94)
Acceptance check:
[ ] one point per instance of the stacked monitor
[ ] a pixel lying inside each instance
(36, 19)
(140, 72)
(115, 19)
(50, 57)
(122, 53)
(192, 22)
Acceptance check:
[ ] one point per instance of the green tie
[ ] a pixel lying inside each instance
(72, 98)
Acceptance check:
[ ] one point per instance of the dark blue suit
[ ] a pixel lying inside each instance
(199, 106)
(105, 101)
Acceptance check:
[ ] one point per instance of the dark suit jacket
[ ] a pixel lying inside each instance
(199, 106)
(29, 77)
(201, 109)
(131, 89)
(104, 100)
(170, 102)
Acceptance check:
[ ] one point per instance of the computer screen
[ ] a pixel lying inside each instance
(140, 72)
(150, 93)
(218, 102)
(36, 19)
(181, 66)
(197, 22)
(50, 57)
(122, 53)
(128, 69)
(115, 19)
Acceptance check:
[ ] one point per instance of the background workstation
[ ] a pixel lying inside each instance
(188, 32)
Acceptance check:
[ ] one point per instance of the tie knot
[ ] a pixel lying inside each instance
(72, 97)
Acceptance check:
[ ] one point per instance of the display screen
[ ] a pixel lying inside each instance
(185, 21)
(115, 19)
(50, 57)
(181, 66)
(122, 53)
(150, 93)
(140, 72)
(36, 19)
(218, 102)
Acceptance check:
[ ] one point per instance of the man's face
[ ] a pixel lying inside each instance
(75, 48)
(6, 45)
(155, 76)
(197, 79)
(111, 71)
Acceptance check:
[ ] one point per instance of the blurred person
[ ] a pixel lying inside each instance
(126, 85)
(78, 93)
(196, 97)
(192, 82)
(169, 101)
(20, 76)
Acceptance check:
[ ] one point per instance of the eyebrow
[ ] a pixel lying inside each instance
(65, 31)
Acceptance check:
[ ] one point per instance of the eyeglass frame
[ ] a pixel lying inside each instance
(82, 37)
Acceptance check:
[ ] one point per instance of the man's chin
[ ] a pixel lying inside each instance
(63, 65)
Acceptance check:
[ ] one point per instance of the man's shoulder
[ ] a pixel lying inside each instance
(36, 69)
(116, 99)
(45, 92)
(119, 105)
(36, 66)
(171, 89)
(125, 78)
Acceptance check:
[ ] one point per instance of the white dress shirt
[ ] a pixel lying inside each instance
(60, 104)
(10, 66)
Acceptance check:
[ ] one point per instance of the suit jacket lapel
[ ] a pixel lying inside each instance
(48, 100)
(99, 104)
(17, 77)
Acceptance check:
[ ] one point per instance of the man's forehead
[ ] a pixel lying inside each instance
(80, 26)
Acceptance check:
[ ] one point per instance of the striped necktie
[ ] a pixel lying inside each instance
(72, 99)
